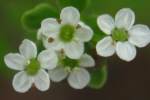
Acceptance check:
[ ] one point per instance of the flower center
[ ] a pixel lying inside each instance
(33, 67)
(70, 63)
(119, 35)
(67, 33)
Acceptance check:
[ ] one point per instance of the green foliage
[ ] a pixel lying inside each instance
(79, 4)
(91, 21)
(31, 19)
(98, 77)
(4, 47)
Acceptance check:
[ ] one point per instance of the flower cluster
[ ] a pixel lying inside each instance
(64, 55)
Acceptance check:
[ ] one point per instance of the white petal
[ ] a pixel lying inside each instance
(79, 78)
(39, 34)
(85, 33)
(86, 61)
(105, 47)
(41, 81)
(58, 74)
(106, 23)
(70, 15)
(28, 49)
(55, 45)
(125, 18)
(50, 26)
(48, 59)
(125, 51)
(74, 49)
(139, 35)
(21, 82)
(15, 61)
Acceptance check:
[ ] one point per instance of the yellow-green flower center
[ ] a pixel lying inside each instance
(70, 63)
(33, 67)
(67, 33)
(120, 35)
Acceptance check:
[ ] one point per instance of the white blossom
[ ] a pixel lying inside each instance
(123, 36)
(74, 70)
(68, 33)
(32, 68)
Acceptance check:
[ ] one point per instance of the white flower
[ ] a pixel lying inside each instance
(68, 33)
(78, 76)
(123, 35)
(31, 69)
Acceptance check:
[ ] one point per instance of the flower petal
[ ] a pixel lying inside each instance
(74, 49)
(126, 51)
(21, 82)
(56, 44)
(70, 15)
(39, 34)
(86, 61)
(139, 35)
(84, 33)
(58, 74)
(28, 49)
(105, 47)
(41, 81)
(79, 78)
(48, 59)
(15, 61)
(125, 18)
(106, 23)
(50, 26)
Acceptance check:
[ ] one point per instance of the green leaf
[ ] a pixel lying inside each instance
(98, 77)
(79, 4)
(31, 19)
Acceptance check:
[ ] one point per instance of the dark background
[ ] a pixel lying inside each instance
(126, 81)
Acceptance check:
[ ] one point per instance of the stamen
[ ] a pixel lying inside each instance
(78, 26)
(50, 40)
(120, 35)
(67, 33)
(33, 67)
(59, 21)
(62, 51)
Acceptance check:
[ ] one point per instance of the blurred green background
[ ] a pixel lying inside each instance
(123, 76)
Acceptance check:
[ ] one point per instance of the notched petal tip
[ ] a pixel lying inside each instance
(106, 23)
(125, 18)
(139, 35)
(28, 49)
(21, 82)
(74, 50)
(79, 79)
(70, 15)
(84, 33)
(48, 59)
(15, 61)
(58, 74)
(86, 61)
(42, 81)
(50, 26)
(105, 47)
(125, 51)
